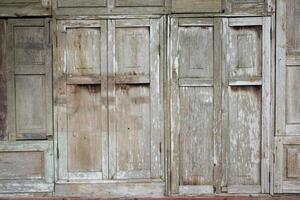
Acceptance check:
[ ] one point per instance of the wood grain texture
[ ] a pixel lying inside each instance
(81, 100)
(29, 79)
(3, 84)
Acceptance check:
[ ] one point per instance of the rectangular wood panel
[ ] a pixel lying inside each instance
(287, 165)
(84, 128)
(185, 6)
(81, 4)
(245, 136)
(139, 3)
(245, 7)
(196, 138)
(30, 79)
(26, 167)
(17, 8)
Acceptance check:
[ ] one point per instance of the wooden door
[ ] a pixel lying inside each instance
(246, 105)
(287, 168)
(81, 100)
(135, 99)
(195, 71)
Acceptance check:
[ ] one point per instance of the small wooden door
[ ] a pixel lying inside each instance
(287, 165)
(195, 71)
(81, 99)
(135, 99)
(247, 98)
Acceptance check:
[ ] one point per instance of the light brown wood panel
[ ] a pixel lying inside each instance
(190, 6)
(84, 128)
(3, 83)
(21, 165)
(30, 79)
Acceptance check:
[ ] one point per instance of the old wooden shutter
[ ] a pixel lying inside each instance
(135, 99)
(29, 81)
(195, 71)
(27, 166)
(246, 118)
(287, 163)
(81, 99)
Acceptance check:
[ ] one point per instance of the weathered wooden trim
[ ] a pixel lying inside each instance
(16, 8)
(110, 189)
(3, 82)
(196, 189)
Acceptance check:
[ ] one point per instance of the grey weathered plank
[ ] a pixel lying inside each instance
(17, 8)
(3, 84)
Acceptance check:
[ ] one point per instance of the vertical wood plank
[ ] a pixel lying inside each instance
(3, 84)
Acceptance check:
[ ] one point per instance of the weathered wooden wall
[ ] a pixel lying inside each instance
(149, 97)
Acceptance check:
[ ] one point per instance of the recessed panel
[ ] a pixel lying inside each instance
(196, 136)
(196, 52)
(30, 106)
(293, 26)
(139, 3)
(21, 165)
(133, 50)
(244, 135)
(29, 45)
(245, 52)
(84, 128)
(83, 51)
(293, 95)
(81, 3)
(196, 5)
(133, 130)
